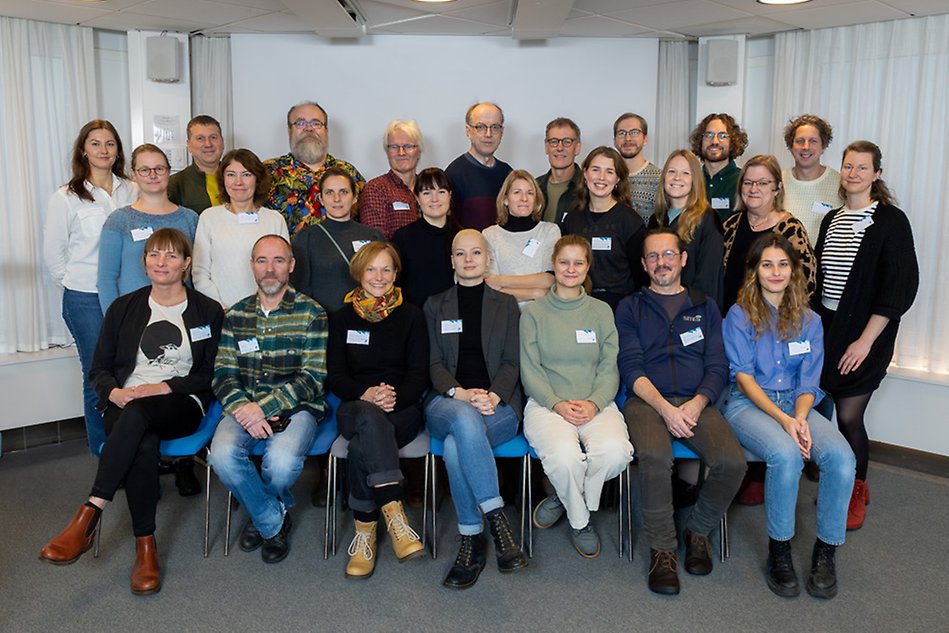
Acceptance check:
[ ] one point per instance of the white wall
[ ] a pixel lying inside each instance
(434, 80)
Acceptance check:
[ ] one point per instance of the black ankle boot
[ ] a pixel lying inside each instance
(822, 582)
(468, 564)
(185, 480)
(780, 572)
(510, 556)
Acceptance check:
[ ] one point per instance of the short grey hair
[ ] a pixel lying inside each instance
(410, 127)
(306, 103)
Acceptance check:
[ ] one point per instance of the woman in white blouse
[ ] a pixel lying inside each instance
(74, 218)
(227, 233)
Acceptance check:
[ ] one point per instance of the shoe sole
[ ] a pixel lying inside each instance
(466, 585)
(693, 571)
(665, 591)
(350, 576)
(585, 555)
(823, 594)
(784, 592)
(544, 526)
(512, 570)
(63, 563)
(146, 592)
(416, 554)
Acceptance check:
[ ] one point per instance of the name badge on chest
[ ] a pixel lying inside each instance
(451, 326)
(602, 243)
(142, 233)
(248, 346)
(796, 348)
(249, 217)
(862, 225)
(200, 333)
(692, 336)
(586, 336)
(357, 337)
(357, 244)
(820, 208)
(530, 249)
(398, 205)
(721, 203)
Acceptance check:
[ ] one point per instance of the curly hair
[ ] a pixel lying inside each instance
(738, 138)
(823, 128)
(794, 304)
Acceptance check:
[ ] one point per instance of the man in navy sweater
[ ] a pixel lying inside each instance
(476, 176)
(672, 364)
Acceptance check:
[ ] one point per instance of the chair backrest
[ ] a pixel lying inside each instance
(190, 444)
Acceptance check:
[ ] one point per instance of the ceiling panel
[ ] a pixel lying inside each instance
(49, 11)
(198, 10)
(496, 14)
(283, 22)
(747, 26)
(441, 25)
(841, 14)
(598, 26)
(127, 21)
(677, 14)
(919, 7)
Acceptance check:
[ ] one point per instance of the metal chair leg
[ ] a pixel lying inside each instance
(523, 496)
(619, 515)
(723, 538)
(207, 506)
(335, 466)
(629, 508)
(430, 475)
(95, 551)
(530, 508)
(227, 524)
(326, 518)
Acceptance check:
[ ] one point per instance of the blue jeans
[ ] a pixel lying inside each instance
(83, 317)
(267, 495)
(762, 435)
(469, 438)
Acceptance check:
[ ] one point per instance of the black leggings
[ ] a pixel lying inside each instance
(130, 452)
(850, 412)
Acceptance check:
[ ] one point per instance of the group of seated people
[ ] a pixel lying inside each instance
(600, 336)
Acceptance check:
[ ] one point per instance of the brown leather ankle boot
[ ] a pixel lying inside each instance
(76, 539)
(145, 575)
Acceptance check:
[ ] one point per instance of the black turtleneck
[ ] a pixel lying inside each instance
(520, 225)
(472, 370)
(425, 251)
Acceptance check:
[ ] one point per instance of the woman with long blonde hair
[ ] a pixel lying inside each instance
(681, 205)
(775, 349)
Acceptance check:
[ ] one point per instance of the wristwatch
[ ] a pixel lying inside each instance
(451, 392)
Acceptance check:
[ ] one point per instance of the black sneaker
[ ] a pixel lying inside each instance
(822, 582)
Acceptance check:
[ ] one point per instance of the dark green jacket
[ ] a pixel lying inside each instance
(567, 202)
(188, 188)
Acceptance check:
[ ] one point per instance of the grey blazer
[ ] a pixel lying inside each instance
(500, 342)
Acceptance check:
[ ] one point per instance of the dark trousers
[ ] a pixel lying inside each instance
(130, 453)
(375, 438)
(714, 441)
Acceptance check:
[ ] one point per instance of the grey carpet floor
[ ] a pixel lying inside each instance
(893, 573)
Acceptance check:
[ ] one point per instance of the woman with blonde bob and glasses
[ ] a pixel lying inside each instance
(569, 347)
(760, 209)
(378, 366)
(775, 348)
(152, 371)
(521, 243)
(126, 230)
(682, 206)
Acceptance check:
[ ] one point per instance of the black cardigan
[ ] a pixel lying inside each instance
(883, 280)
(121, 334)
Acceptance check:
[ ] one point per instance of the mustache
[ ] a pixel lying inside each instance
(663, 267)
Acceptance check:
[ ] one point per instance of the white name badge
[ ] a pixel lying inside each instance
(721, 203)
(862, 225)
(530, 249)
(200, 333)
(248, 217)
(398, 205)
(586, 336)
(142, 234)
(248, 346)
(451, 326)
(602, 243)
(357, 244)
(357, 337)
(692, 336)
(796, 348)
(820, 208)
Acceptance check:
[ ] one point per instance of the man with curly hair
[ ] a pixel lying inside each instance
(718, 140)
(810, 188)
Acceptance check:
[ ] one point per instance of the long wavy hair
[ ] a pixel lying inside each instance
(794, 305)
(620, 190)
(80, 162)
(878, 190)
(696, 206)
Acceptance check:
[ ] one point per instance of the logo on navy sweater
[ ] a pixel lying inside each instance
(695, 318)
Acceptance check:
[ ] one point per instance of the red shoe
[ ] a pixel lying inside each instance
(751, 493)
(857, 512)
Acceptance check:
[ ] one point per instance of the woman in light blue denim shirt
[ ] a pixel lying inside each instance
(774, 344)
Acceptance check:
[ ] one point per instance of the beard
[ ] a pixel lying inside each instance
(630, 152)
(270, 285)
(720, 154)
(309, 149)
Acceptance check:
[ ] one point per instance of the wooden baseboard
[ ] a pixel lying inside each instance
(912, 459)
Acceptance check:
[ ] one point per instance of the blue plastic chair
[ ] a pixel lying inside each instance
(326, 434)
(190, 446)
(516, 447)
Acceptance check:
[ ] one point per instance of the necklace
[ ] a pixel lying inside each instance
(756, 225)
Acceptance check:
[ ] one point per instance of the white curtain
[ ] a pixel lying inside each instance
(888, 83)
(211, 91)
(672, 126)
(47, 92)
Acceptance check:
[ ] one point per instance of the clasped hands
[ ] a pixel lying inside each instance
(482, 400)
(680, 420)
(252, 418)
(576, 412)
(383, 396)
(120, 397)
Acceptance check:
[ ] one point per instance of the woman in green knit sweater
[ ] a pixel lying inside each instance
(568, 368)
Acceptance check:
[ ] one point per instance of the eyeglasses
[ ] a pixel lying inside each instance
(764, 182)
(408, 148)
(481, 128)
(144, 172)
(667, 256)
(722, 136)
(557, 142)
(316, 124)
(634, 133)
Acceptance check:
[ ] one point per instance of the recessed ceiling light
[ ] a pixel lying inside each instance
(782, 1)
